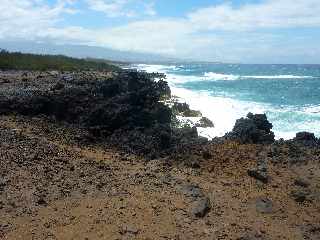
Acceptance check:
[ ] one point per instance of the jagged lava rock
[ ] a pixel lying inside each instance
(204, 123)
(125, 108)
(306, 138)
(255, 128)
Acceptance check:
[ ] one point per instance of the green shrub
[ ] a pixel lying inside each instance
(23, 61)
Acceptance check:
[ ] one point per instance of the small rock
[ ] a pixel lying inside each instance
(57, 86)
(130, 230)
(41, 201)
(301, 182)
(201, 207)
(252, 236)
(300, 195)
(264, 205)
(306, 138)
(191, 191)
(167, 179)
(206, 154)
(204, 123)
(259, 175)
(194, 164)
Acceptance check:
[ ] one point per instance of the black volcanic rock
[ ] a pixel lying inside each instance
(255, 128)
(306, 138)
(205, 123)
(184, 110)
(201, 207)
(124, 108)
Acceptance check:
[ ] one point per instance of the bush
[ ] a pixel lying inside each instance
(36, 62)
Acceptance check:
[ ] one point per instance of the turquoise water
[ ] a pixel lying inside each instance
(288, 94)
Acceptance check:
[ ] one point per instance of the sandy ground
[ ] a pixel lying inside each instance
(54, 187)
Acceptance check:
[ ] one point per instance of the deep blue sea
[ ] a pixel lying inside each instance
(288, 94)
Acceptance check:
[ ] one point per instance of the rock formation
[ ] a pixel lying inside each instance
(255, 128)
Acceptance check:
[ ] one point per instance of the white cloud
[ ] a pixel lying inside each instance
(270, 14)
(122, 8)
(112, 8)
(220, 32)
(23, 18)
(149, 9)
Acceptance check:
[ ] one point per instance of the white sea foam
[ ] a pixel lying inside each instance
(224, 111)
(155, 68)
(312, 109)
(278, 77)
(219, 76)
(212, 76)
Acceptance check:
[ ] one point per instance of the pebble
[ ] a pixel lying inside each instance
(201, 208)
(301, 182)
(264, 205)
(259, 175)
(300, 195)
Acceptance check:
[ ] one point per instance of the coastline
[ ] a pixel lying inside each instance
(95, 155)
(224, 110)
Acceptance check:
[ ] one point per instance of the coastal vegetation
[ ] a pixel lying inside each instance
(39, 62)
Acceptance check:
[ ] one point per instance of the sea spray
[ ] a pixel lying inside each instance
(288, 94)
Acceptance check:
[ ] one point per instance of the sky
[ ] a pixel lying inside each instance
(244, 31)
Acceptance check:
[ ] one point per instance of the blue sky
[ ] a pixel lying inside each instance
(248, 31)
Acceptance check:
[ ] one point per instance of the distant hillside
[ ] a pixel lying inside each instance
(24, 61)
(82, 51)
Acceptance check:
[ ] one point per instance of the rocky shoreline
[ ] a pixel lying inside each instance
(98, 155)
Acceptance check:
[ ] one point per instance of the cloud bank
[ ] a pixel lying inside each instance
(269, 31)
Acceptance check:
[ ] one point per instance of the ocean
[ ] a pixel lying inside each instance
(288, 94)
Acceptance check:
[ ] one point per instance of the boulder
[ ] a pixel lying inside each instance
(178, 107)
(254, 129)
(192, 113)
(184, 110)
(306, 138)
(259, 175)
(204, 123)
(201, 207)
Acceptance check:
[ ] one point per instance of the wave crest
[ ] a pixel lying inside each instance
(225, 77)
(219, 76)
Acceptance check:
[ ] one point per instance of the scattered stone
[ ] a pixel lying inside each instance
(253, 236)
(311, 231)
(57, 86)
(2, 185)
(201, 207)
(300, 195)
(264, 205)
(259, 175)
(129, 229)
(301, 182)
(206, 154)
(194, 164)
(191, 191)
(41, 201)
